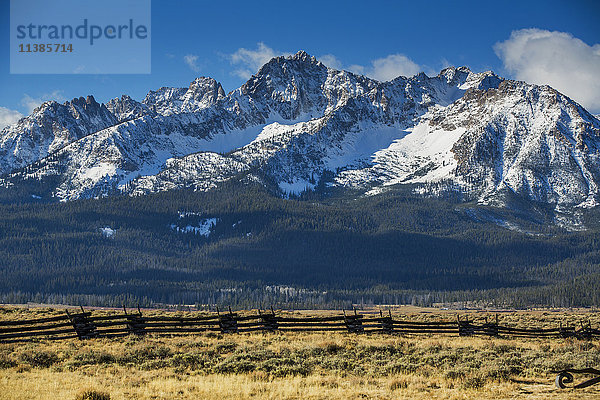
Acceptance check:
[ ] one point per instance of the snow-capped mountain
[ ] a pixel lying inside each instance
(297, 122)
(50, 127)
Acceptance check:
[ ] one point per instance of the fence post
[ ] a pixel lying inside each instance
(464, 327)
(269, 321)
(585, 332)
(490, 328)
(228, 322)
(135, 322)
(84, 328)
(353, 322)
(566, 331)
(387, 325)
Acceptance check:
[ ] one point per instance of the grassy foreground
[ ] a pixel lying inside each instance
(294, 366)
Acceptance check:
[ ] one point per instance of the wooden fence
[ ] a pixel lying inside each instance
(85, 325)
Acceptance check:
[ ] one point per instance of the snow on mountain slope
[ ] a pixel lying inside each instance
(529, 140)
(200, 171)
(202, 93)
(126, 108)
(348, 136)
(107, 161)
(50, 127)
(298, 122)
(420, 154)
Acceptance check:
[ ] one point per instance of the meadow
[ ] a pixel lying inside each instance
(299, 365)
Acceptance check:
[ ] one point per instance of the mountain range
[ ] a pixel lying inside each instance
(300, 126)
(305, 187)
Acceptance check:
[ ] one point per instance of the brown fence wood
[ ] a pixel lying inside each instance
(36, 333)
(173, 323)
(323, 329)
(428, 331)
(33, 328)
(40, 320)
(107, 317)
(414, 326)
(436, 323)
(84, 325)
(311, 319)
(311, 324)
(228, 322)
(175, 330)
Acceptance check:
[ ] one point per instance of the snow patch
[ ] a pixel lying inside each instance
(203, 228)
(360, 147)
(226, 142)
(297, 186)
(183, 214)
(417, 155)
(96, 173)
(108, 232)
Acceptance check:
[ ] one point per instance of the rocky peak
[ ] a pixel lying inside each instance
(87, 108)
(304, 56)
(455, 76)
(290, 86)
(164, 101)
(83, 102)
(126, 108)
(203, 92)
(51, 126)
(286, 66)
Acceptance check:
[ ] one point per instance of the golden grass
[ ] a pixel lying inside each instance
(297, 366)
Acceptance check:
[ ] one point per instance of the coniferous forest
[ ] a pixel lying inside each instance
(243, 246)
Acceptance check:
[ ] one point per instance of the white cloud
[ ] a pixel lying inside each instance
(357, 69)
(445, 63)
(382, 69)
(331, 61)
(557, 59)
(30, 103)
(191, 61)
(392, 66)
(249, 61)
(388, 68)
(8, 117)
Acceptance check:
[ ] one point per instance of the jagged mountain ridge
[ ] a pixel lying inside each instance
(50, 127)
(297, 121)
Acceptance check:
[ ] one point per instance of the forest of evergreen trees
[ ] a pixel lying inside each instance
(315, 251)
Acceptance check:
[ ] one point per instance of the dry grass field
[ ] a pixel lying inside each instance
(299, 365)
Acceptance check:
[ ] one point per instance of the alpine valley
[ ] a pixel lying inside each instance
(306, 186)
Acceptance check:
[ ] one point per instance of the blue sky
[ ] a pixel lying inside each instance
(227, 40)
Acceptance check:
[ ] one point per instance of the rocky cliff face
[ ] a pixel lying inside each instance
(297, 122)
(202, 93)
(529, 140)
(49, 128)
(126, 109)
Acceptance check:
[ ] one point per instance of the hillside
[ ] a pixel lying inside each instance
(240, 245)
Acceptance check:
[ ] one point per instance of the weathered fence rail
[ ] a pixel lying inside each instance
(87, 325)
